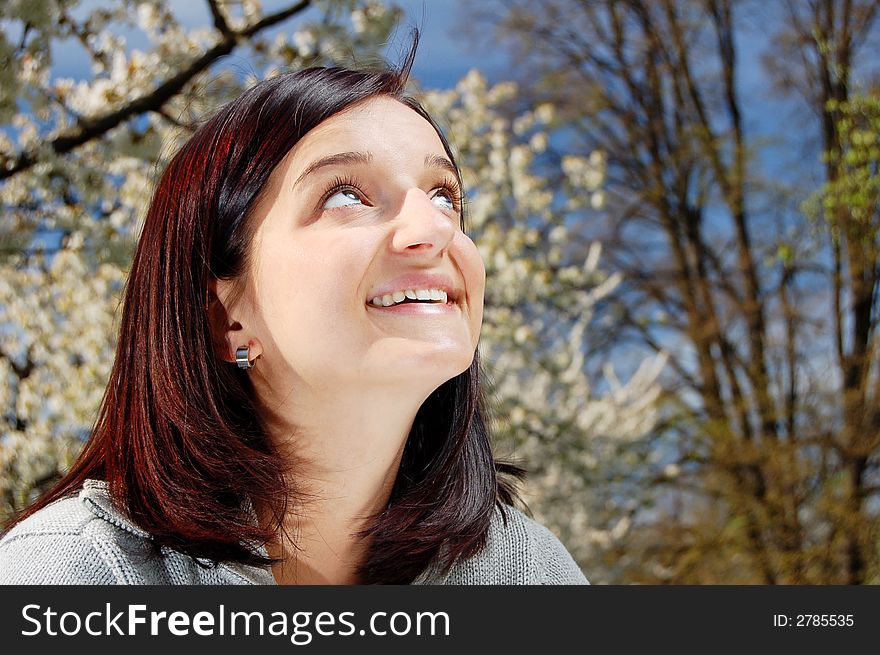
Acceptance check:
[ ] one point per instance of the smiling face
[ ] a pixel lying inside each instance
(360, 272)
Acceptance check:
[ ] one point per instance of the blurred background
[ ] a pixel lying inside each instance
(676, 201)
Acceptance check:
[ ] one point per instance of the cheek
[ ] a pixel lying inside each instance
(309, 285)
(474, 273)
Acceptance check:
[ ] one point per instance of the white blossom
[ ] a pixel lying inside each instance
(58, 309)
(538, 318)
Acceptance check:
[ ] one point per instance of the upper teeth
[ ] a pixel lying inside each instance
(413, 294)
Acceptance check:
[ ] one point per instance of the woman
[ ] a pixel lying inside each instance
(296, 396)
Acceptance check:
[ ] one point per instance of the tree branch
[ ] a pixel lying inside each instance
(219, 19)
(96, 127)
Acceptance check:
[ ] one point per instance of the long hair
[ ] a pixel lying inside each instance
(178, 437)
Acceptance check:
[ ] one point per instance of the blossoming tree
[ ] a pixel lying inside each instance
(76, 162)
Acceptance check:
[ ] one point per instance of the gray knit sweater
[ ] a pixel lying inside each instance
(84, 539)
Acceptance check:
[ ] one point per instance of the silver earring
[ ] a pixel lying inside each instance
(243, 357)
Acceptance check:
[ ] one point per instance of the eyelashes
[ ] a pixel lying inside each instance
(341, 185)
(349, 186)
(451, 187)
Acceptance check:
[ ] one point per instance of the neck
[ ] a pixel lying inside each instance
(344, 453)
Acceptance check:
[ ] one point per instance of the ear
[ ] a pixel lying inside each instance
(229, 331)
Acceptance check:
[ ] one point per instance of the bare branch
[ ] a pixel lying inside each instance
(219, 19)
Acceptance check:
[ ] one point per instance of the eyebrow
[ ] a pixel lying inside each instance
(362, 158)
(339, 159)
(436, 161)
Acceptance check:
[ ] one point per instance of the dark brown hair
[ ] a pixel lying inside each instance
(178, 437)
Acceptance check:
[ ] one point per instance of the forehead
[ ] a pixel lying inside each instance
(381, 126)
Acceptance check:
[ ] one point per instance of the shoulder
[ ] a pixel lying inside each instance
(519, 550)
(79, 539)
(85, 539)
(55, 546)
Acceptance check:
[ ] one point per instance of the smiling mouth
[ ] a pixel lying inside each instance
(411, 296)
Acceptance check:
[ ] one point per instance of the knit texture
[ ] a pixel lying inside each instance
(84, 539)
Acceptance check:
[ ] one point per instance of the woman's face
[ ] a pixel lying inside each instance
(360, 273)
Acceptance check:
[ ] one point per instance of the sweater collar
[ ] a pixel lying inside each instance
(96, 497)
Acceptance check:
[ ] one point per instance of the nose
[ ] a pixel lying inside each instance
(421, 227)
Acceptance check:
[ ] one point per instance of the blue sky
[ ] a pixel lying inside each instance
(444, 55)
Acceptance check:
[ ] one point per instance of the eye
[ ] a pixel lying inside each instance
(443, 200)
(343, 198)
(446, 198)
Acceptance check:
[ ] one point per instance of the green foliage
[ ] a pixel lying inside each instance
(770, 421)
(852, 196)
